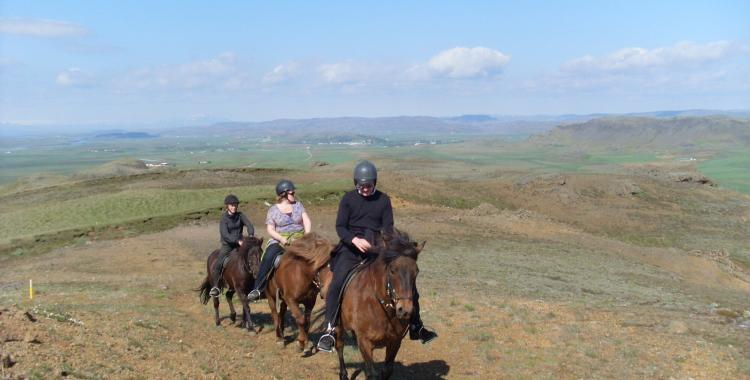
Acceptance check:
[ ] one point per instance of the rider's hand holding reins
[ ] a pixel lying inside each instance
(362, 244)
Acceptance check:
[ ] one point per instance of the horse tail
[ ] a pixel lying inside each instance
(204, 289)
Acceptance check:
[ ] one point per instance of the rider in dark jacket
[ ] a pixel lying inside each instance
(363, 213)
(230, 230)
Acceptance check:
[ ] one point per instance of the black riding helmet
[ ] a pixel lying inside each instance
(283, 186)
(231, 199)
(364, 173)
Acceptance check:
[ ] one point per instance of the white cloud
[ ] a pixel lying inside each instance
(74, 77)
(219, 72)
(41, 28)
(638, 59)
(347, 72)
(282, 73)
(464, 62)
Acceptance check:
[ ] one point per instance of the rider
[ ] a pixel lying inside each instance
(230, 229)
(286, 220)
(362, 213)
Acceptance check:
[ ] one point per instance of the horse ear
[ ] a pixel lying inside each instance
(420, 246)
(260, 241)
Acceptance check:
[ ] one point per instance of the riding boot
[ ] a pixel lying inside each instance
(417, 331)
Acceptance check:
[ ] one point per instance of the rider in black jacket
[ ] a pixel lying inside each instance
(363, 213)
(230, 230)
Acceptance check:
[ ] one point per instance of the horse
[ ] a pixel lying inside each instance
(238, 276)
(377, 303)
(301, 275)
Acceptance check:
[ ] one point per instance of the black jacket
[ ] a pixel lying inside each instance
(363, 217)
(230, 227)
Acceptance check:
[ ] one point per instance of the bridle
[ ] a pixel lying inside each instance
(391, 300)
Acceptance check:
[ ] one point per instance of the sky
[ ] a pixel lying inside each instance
(135, 62)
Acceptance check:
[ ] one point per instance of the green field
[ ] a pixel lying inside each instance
(730, 170)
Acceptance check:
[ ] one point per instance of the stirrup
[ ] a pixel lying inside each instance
(327, 342)
(214, 292)
(254, 295)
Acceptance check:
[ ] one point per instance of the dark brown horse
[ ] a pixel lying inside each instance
(299, 278)
(238, 277)
(378, 302)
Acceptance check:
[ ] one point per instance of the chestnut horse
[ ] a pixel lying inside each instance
(301, 274)
(238, 277)
(377, 303)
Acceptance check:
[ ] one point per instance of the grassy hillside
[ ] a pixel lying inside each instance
(629, 133)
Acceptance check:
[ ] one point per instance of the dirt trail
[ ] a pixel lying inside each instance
(126, 309)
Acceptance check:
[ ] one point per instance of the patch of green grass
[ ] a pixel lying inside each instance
(730, 170)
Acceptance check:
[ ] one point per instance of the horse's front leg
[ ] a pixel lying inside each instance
(299, 318)
(216, 311)
(340, 351)
(247, 322)
(275, 316)
(366, 347)
(233, 313)
(390, 356)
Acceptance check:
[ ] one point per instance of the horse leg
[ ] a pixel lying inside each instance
(216, 310)
(282, 316)
(276, 319)
(365, 348)
(308, 313)
(299, 317)
(340, 351)
(390, 356)
(247, 321)
(233, 314)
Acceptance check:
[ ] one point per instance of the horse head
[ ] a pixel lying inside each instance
(250, 251)
(400, 255)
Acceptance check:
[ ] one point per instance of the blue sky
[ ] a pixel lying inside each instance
(95, 63)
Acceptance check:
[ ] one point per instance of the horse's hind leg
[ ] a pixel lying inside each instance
(233, 313)
(390, 356)
(216, 310)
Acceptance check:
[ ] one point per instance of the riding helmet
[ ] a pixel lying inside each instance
(283, 186)
(364, 173)
(231, 199)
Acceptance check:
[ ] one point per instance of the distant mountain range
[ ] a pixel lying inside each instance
(377, 127)
(712, 132)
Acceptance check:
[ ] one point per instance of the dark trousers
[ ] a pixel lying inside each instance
(272, 252)
(344, 259)
(219, 264)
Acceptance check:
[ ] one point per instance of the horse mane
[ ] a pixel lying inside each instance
(396, 244)
(254, 264)
(311, 248)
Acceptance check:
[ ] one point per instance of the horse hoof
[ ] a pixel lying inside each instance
(233, 317)
(300, 348)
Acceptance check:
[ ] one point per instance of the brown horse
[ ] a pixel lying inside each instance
(238, 277)
(378, 302)
(301, 274)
